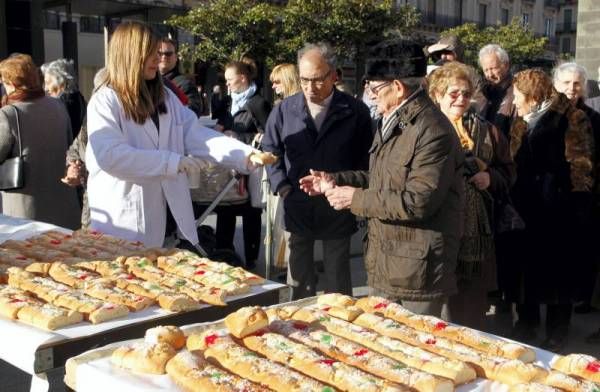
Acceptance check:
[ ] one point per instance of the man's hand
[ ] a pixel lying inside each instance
(340, 197)
(481, 180)
(317, 183)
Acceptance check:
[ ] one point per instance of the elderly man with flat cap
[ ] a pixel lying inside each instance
(412, 195)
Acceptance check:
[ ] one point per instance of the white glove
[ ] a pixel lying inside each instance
(192, 164)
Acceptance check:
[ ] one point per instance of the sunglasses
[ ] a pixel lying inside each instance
(454, 94)
(166, 54)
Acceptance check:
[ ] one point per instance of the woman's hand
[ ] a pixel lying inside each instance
(481, 180)
(75, 173)
(317, 183)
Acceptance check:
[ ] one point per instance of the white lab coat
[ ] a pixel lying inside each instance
(133, 168)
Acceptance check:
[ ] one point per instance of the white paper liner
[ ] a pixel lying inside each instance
(91, 373)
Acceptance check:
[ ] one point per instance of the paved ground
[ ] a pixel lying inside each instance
(13, 380)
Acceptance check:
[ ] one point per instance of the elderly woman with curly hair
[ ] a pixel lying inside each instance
(488, 176)
(552, 145)
(59, 82)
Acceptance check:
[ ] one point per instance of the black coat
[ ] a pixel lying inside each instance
(77, 108)
(251, 119)
(552, 194)
(342, 144)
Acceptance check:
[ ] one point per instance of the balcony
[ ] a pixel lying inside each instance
(566, 28)
(551, 3)
(442, 21)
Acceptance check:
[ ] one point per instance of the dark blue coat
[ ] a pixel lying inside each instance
(342, 144)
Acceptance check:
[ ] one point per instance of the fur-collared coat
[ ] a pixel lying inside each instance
(554, 158)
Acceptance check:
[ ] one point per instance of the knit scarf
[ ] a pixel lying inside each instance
(238, 100)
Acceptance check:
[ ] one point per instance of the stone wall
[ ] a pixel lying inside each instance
(588, 44)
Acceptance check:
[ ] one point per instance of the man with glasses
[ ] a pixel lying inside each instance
(324, 129)
(413, 193)
(168, 67)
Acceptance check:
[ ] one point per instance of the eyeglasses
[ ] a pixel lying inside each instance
(318, 81)
(376, 89)
(454, 94)
(276, 81)
(166, 54)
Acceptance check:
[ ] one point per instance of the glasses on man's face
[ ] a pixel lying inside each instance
(166, 54)
(318, 81)
(454, 94)
(376, 89)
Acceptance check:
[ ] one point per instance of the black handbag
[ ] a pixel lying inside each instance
(11, 170)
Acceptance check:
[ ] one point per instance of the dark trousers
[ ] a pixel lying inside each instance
(558, 318)
(301, 269)
(251, 227)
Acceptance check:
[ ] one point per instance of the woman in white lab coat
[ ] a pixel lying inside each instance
(141, 143)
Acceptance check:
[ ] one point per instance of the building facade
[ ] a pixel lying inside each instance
(554, 19)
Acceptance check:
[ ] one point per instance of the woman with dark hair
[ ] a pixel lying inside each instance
(489, 173)
(552, 145)
(45, 134)
(142, 141)
(249, 112)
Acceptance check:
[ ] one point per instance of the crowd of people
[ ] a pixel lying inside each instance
(474, 187)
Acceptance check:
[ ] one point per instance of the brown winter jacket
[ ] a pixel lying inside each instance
(413, 197)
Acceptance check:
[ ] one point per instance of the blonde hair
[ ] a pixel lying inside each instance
(287, 74)
(442, 77)
(130, 46)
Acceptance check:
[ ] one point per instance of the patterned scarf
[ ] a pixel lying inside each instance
(477, 244)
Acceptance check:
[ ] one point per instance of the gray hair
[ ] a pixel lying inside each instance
(324, 49)
(571, 68)
(495, 50)
(63, 72)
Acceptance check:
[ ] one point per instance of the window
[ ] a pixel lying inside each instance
(566, 45)
(504, 16)
(91, 24)
(548, 25)
(482, 14)
(568, 19)
(431, 11)
(458, 11)
(525, 19)
(51, 20)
